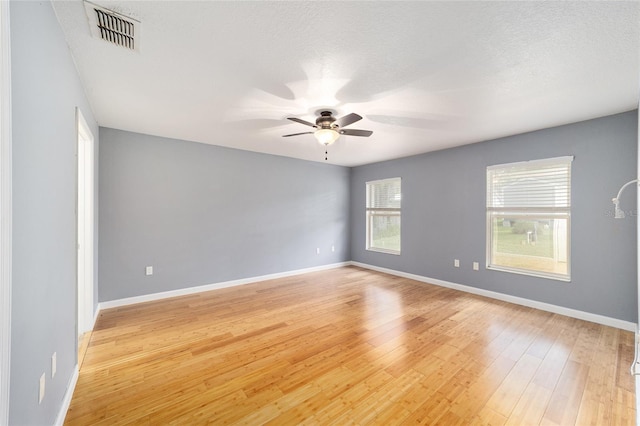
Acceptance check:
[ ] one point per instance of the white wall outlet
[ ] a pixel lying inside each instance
(333, 248)
(318, 250)
(476, 266)
(148, 270)
(43, 380)
(456, 263)
(54, 364)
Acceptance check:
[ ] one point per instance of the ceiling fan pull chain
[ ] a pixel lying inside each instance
(325, 155)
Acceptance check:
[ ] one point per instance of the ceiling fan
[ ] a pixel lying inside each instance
(329, 129)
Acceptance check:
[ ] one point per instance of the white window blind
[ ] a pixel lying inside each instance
(384, 194)
(543, 184)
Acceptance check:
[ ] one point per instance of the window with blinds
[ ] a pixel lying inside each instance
(384, 203)
(529, 217)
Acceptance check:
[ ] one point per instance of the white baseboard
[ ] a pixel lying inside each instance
(207, 287)
(573, 313)
(95, 318)
(66, 402)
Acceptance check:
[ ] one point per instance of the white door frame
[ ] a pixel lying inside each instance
(85, 230)
(5, 211)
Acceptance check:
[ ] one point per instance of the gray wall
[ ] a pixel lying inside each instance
(45, 93)
(443, 214)
(201, 214)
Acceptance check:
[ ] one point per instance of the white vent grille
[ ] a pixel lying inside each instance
(113, 27)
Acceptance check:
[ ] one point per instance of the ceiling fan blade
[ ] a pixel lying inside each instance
(356, 132)
(297, 120)
(296, 134)
(347, 119)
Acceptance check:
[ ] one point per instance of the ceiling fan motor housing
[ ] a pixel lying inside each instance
(325, 120)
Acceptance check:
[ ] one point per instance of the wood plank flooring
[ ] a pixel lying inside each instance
(350, 346)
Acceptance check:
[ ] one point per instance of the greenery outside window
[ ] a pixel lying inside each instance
(384, 200)
(529, 218)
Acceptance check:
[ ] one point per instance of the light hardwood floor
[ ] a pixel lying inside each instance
(350, 346)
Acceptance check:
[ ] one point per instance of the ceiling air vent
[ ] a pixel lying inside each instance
(113, 27)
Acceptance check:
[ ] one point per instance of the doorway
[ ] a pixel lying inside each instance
(85, 231)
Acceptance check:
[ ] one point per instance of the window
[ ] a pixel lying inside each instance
(529, 217)
(384, 199)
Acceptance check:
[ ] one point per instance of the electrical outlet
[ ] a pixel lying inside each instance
(54, 364)
(456, 263)
(333, 248)
(476, 266)
(318, 250)
(148, 270)
(41, 393)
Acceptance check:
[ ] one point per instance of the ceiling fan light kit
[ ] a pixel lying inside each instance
(329, 129)
(326, 136)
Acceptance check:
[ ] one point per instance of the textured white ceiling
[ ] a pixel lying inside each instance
(424, 75)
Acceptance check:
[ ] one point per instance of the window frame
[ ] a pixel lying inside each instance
(376, 212)
(530, 213)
